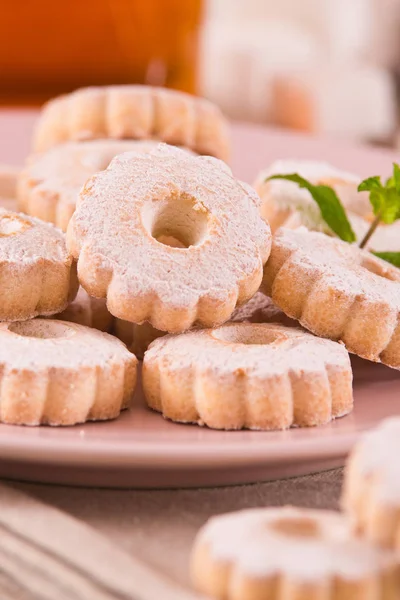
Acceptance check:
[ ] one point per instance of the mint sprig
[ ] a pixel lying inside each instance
(384, 199)
(331, 208)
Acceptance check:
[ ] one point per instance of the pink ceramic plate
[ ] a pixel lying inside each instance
(140, 448)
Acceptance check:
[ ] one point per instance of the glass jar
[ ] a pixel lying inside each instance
(48, 48)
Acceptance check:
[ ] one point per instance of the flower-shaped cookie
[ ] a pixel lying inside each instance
(169, 238)
(284, 201)
(134, 112)
(289, 554)
(50, 183)
(337, 291)
(258, 376)
(59, 373)
(371, 492)
(37, 273)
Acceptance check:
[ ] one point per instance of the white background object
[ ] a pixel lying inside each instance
(237, 67)
(248, 44)
(341, 27)
(354, 102)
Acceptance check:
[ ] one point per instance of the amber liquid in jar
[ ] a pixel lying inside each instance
(48, 48)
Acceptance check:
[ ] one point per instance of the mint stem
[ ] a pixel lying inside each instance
(371, 230)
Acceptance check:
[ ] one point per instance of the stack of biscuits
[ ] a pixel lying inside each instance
(166, 250)
(132, 226)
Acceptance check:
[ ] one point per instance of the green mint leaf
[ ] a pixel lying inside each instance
(386, 204)
(390, 257)
(385, 199)
(391, 209)
(377, 197)
(394, 180)
(372, 183)
(331, 208)
(396, 176)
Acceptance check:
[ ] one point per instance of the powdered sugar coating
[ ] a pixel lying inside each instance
(134, 112)
(53, 343)
(261, 549)
(49, 185)
(312, 170)
(293, 349)
(371, 491)
(260, 376)
(284, 202)
(33, 239)
(38, 274)
(337, 290)
(259, 309)
(168, 192)
(61, 373)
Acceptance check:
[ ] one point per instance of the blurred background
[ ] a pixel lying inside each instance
(324, 66)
